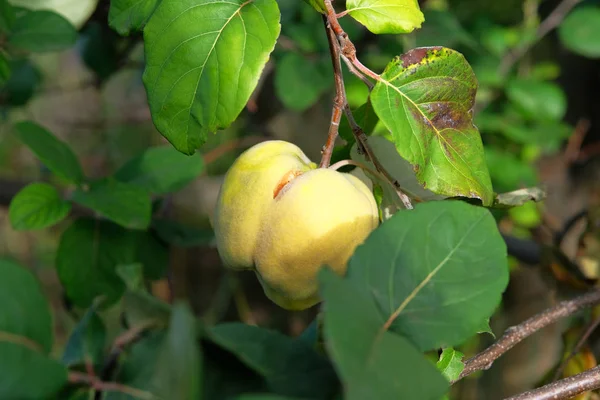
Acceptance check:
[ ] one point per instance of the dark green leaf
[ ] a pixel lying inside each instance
(365, 118)
(519, 197)
(127, 16)
(128, 205)
(441, 265)
(537, 100)
(178, 373)
(161, 170)
(425, 99)
(580, 30)
(290, 367)
(99, 50)
(21, 85)
(203, 61)
(86, 343)
(386, 16)
(42, 31)
(7, 16)
(139, 307)
(509, 172)
(87, 256)
(182, 235)
(56, 155)
(450, 363)
(153, 254)
(26, 337)
(299, 82)
(37, 206)
(5, 70)
(372, 362)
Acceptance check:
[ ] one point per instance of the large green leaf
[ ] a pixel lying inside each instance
(299, 82)
(580, 30)
(42, 31)
(37, 206)
(386, 16)
(372, 362)
(56, 155)
(161, 170)
(126, 16)
(424, 98)
(290, 367)
(203, 61)
(26, 336)
(87, 256)
(128, 205)
(178, 373)
(436, 272)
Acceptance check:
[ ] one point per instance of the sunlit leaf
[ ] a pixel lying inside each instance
(386, 16)
(450, 363)
(425, 99)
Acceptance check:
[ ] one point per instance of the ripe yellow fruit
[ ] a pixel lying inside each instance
(283, 217)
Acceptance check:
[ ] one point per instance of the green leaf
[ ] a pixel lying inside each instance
(128, 205)
(203, 61)
(5, 69)
(153, 254)
(127, 16)
(26, 337)
(86, 343)
(22, 83)
(37, 206)
(290, 367)
(178, 374)
(56, 155)
(317, 5)
(139, 307)
(442, 264)
(365, 118)
(386, 16)
(372, 362)
(580, 30)
(541, 101)
(425, 99)
(76, 11)
(87, 256)
(8, 16)
(42, 31)
(161, 170)
(519, 197)
(442, 28)
(508, 171)
(450, 363)
(182, 235)
(299, 82)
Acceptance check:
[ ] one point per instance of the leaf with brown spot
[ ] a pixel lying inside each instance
(425, 98)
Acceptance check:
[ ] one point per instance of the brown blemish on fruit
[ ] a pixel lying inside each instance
(287, 178)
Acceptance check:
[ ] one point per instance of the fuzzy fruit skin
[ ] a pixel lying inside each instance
(286, 233)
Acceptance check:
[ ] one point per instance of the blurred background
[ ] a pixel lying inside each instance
(538, 111)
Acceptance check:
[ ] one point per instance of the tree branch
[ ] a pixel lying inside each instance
(565, 388)
(516, 334)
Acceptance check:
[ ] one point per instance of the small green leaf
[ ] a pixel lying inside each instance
(444, 263)
(372, 362)
(132, 275)
(22, 83)
(386, 16)
(127, 16)
(139, 306)
(425, 98)
(299, 82)
(8, 16)
(178, 373)
(37, 206)
(203, 61)
(128, 205)
(317, 5)
(42, 31)
(26, 337)
(580, 30)
(86, 343)
(5, 69)
(538, 100)
(290, 367)
(87, 256)
(450, 363)
(56, 155)
(161, 170)
(182, 235)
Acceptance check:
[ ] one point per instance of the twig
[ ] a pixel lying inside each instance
(573, 148)
(578, 346)
(97, 384)
(516, 334)
(339, 99)
(565, 388)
